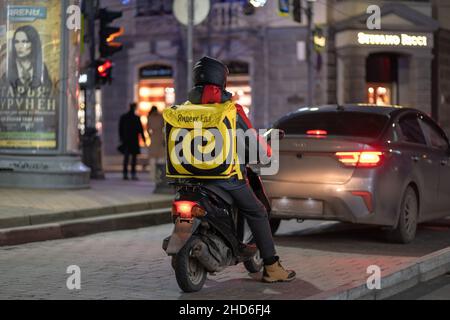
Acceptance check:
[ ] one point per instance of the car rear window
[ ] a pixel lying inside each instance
(358, 124)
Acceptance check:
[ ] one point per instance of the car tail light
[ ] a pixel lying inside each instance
(187, 209)
(316, 132)
(367, 197)
(364, 159)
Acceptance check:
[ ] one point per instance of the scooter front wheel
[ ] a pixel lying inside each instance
(189, 272)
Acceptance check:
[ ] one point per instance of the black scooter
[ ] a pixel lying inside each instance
(209, 233)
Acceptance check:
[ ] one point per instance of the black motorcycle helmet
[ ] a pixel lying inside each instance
(210, 71)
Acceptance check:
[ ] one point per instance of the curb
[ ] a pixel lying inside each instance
(83, 227)
(51, 217)
(424, 269)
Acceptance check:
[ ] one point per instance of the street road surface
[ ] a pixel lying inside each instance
(131, 264)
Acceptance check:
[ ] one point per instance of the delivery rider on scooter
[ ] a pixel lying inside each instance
(210, 77)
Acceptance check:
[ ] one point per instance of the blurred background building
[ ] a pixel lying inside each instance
(406, 62)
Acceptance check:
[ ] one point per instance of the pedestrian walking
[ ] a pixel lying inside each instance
(157, 147)
(130, 128)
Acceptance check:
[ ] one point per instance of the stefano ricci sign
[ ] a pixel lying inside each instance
(402, 39)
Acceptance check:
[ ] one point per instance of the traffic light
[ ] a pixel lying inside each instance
(109, 33)
(297, 11)
(103, 72)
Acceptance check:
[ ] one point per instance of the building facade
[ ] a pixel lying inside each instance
(390, 65)
(264, 51)
(266, 56)
(405, 62)
(441, 65)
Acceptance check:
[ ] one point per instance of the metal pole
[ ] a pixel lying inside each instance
(310, 53)
(90, 86)
(190, 43)
(91, 141)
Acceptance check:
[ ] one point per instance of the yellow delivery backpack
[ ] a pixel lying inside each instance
(201, 141)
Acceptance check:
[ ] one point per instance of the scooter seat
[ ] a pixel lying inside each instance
(225, 196)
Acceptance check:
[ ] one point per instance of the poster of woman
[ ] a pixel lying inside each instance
(26, 66)
(29, 83)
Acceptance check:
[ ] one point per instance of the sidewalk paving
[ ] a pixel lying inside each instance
(21, 208)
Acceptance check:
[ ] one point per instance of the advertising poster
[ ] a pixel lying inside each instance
(30, 53)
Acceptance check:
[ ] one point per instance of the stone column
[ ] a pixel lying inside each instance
(420, 82)
(38, 149)
(353, 78)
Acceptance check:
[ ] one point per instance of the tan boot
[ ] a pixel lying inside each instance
(276, 273)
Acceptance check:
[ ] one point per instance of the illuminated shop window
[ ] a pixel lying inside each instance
(379, 94)
(155, 88)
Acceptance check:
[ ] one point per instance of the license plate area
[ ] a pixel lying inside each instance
(298, 206)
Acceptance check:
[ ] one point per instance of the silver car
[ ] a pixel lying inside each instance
(386, 166)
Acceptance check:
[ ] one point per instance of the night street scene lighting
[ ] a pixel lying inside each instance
(225, 158)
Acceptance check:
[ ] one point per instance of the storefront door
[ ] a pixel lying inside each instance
(155, 88)
(382, 79)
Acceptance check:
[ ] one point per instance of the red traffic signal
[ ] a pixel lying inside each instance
(104, 68)
(103, 72)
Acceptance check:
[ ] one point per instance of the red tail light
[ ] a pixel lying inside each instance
(316, 132)
(187, 209)
(364, 159)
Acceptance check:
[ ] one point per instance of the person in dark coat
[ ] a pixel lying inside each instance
(130, 128)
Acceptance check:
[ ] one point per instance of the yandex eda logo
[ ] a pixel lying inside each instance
(392, 40)
(193, 119)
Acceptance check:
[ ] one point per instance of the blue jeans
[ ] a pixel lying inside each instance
(253, 210)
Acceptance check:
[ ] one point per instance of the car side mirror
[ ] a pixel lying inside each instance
(281, 134)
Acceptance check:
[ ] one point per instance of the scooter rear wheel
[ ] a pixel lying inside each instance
(255, 264)
(189, 272)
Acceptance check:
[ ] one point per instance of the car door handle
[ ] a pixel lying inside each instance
(444, 162)
(415, 158)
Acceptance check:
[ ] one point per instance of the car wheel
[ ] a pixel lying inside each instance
(274, 225)
(406, 228)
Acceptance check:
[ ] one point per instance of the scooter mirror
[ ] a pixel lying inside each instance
(269, 132)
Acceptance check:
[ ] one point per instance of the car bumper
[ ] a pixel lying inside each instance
(337, 202)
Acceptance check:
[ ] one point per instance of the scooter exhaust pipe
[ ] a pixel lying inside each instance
(201, 253)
